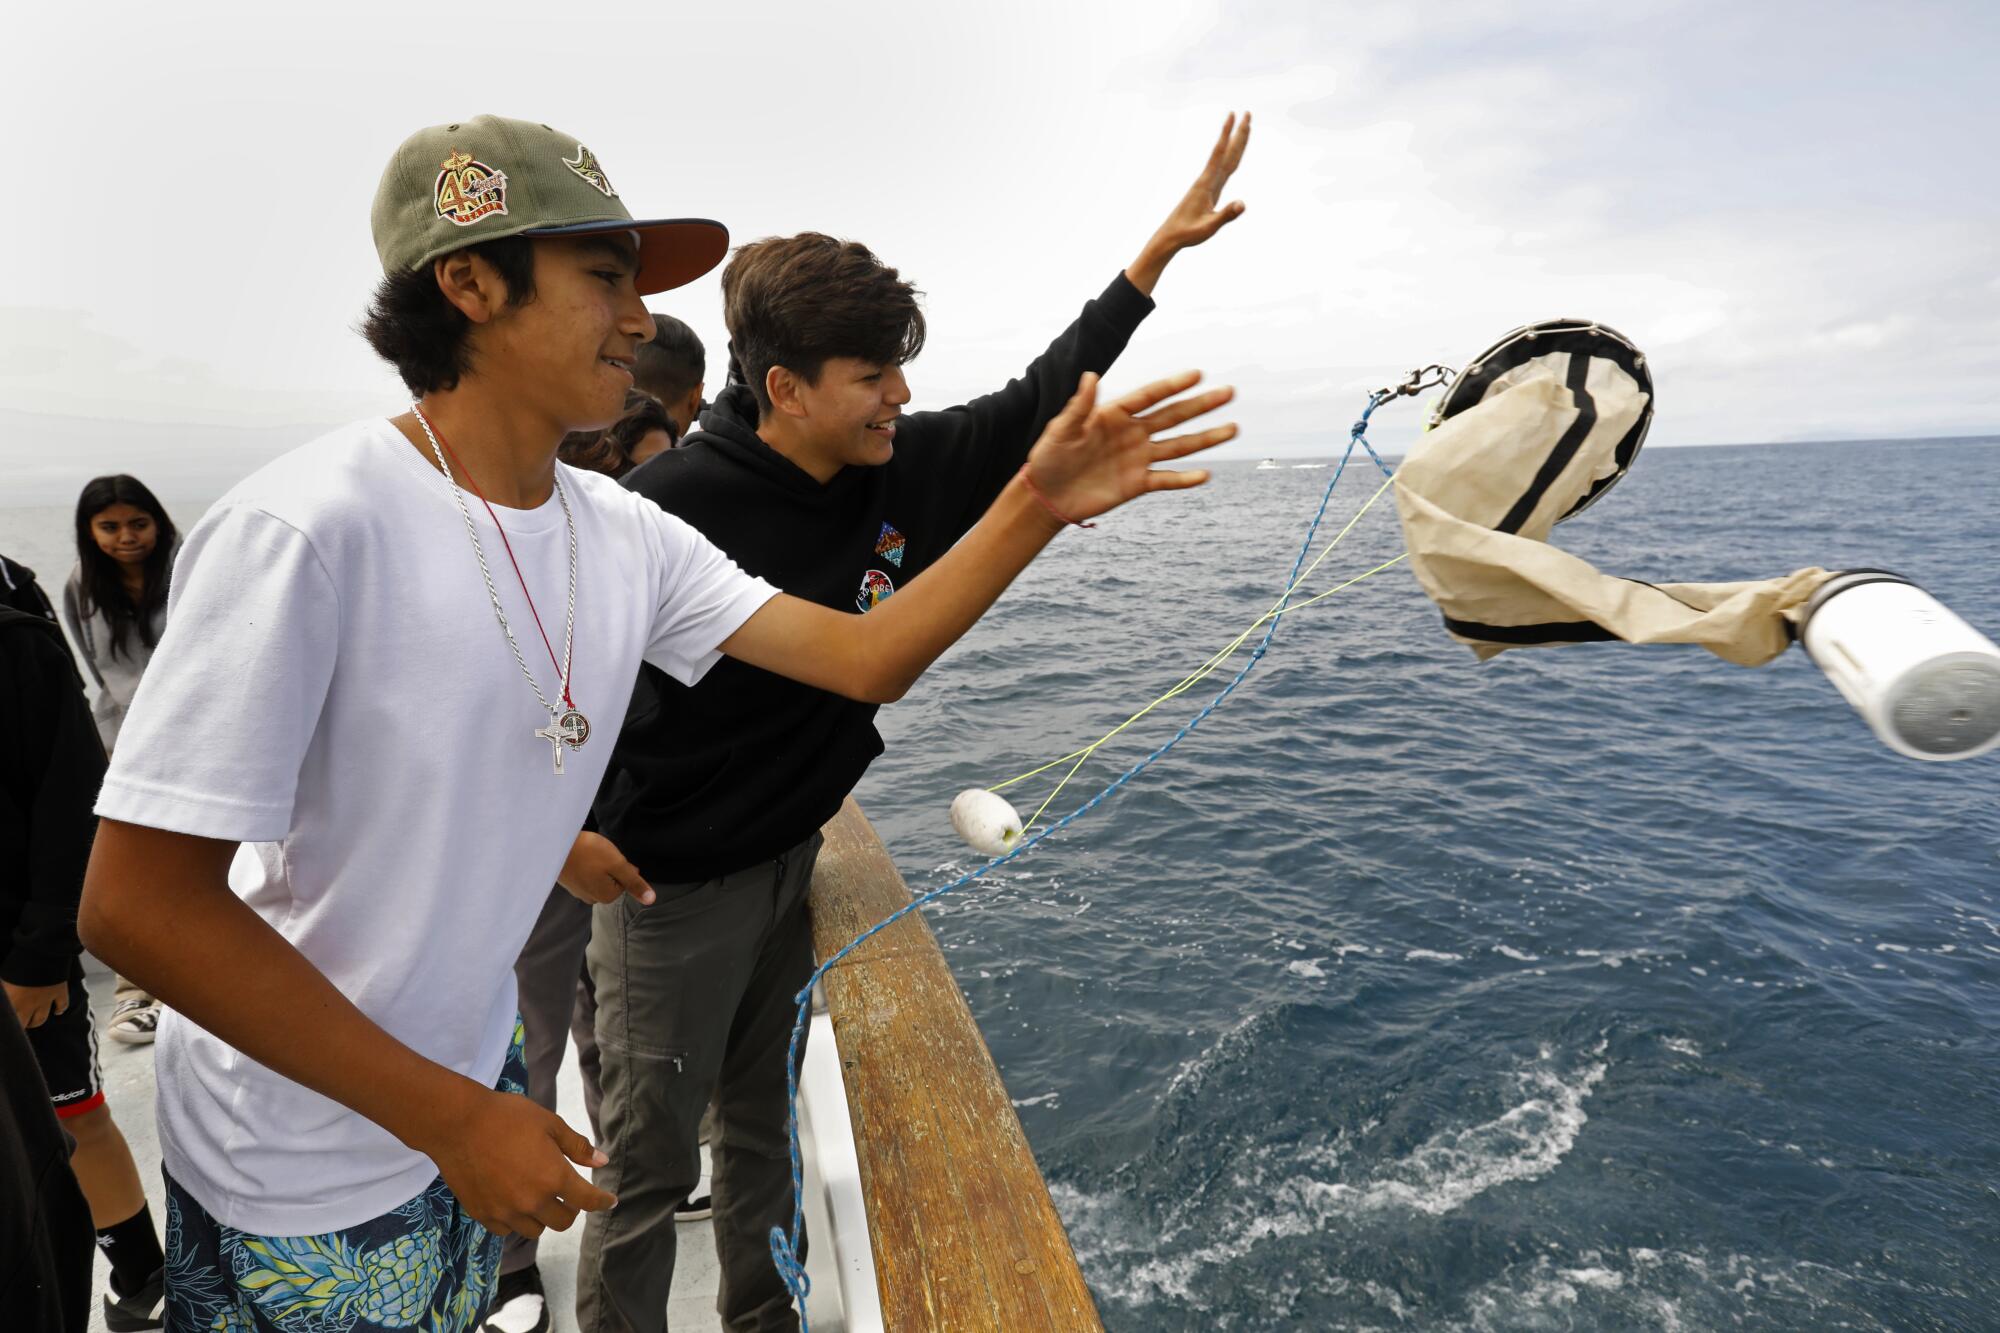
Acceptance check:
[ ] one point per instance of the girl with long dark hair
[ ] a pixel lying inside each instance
(116, 601)
(115, 606)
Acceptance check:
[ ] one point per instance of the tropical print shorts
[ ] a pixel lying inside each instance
(425, 1266)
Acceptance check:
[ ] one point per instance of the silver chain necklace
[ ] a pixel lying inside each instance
(567, 726)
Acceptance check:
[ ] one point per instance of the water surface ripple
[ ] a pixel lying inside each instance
(1595, 988)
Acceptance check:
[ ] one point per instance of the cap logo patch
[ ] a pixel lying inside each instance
(585, 165)
(468, 190)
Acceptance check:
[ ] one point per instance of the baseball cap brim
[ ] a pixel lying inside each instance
(672, 251)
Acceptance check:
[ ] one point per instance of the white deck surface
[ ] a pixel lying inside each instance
(128, 1083)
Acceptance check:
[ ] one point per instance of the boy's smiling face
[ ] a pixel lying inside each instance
(568, 353)
(848, 418)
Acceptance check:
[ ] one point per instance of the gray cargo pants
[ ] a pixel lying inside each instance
(695, 995)
(556, 1003)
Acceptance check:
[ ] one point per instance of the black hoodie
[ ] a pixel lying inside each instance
(48, 782)
(714, 778)
(19, 590)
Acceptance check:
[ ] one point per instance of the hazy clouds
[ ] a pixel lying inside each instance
(1791, 207)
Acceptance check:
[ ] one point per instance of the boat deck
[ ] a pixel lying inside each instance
(128, 1083)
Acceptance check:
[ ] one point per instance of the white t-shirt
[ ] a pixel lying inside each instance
(334, 691)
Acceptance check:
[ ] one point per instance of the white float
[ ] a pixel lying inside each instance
(986, 821)
(1927, 683)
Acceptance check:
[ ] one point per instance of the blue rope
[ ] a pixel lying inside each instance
(785, 1248)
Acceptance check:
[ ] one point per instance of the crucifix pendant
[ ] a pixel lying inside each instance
(572, 728)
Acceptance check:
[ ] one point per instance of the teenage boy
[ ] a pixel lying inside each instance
(54, 764)
(343, 789)
(672, 367)
(813, 477)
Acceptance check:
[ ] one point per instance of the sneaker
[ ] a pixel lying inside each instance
(136, 1020)
(142, 1309)
(518, 1304)
(696, 1208)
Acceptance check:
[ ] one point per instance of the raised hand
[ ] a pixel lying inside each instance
(1200, 213)
(1093, 458)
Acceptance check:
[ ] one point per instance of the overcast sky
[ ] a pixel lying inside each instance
(1791, 207)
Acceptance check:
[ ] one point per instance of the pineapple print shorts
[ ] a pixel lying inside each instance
(424, 1266)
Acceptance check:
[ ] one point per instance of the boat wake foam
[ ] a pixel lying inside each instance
(1453, 1167)
(1123, 1253)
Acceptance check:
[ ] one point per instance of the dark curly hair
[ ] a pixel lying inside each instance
(412, 327)
(610, 450)
(799, 301)
(103, 581)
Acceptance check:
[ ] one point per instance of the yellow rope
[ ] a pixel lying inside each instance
(1228, 650)
(1195, 677)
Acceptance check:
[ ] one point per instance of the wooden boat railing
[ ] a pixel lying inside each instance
(961, 1225)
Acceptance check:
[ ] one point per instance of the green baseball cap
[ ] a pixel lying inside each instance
(456, 185)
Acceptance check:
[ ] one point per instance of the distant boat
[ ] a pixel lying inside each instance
(1307, 467)
(1268, 465)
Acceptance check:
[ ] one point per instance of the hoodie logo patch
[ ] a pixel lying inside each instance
(875, 590)
(890, 546)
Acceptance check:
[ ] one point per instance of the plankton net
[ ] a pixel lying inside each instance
(1535, 430)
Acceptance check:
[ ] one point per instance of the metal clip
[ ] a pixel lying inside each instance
(1433, 376)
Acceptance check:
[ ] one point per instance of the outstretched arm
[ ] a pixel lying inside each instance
(1200, 213)
(972, 449)
(1090, 459)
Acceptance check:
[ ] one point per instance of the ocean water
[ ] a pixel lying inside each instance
(1588, 988)
(1591, 988)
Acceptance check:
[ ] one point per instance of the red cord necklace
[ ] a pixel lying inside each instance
(567, 725)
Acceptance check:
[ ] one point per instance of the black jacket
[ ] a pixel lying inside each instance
(53, 765)
(19, 590)
(715, 778)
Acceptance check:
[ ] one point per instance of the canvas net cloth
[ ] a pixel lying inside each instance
(1541, 439)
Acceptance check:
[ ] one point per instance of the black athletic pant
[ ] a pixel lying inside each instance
(47, 1244)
